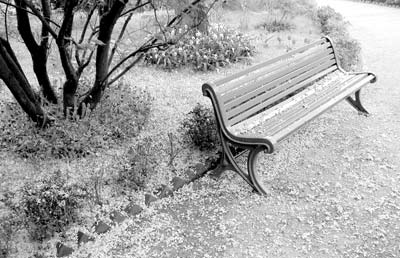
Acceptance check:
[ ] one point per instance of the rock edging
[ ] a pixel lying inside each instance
(132, 209)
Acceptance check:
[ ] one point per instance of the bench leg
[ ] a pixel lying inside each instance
(251, 165)
(356, 103)
(228, 162)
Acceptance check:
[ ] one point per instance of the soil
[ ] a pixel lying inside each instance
(333, 187)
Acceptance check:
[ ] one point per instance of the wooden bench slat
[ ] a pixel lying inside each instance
(302, 108)
(271, 61)
(283, 84)
(268, 69)
(260, 102)
(275, 109)
(253, 111)
(279, 135)
(274, 75)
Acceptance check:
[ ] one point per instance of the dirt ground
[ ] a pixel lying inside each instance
(334, 185)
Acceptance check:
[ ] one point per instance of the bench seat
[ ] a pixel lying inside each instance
(286, 117)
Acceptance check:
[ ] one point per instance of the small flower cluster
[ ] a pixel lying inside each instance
(220, 47)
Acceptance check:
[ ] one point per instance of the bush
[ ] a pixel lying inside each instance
(330, 21)
(142, 163)
(75, 137)
(200, 128)
(49, 206)
(220, 47)
(276, 25)
(333, 25)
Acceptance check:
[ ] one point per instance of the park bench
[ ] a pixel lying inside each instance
(257, 108)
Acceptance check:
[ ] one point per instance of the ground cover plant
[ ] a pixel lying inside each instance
(334, 25)
(200, 128)
(134, 143)
(77, 137)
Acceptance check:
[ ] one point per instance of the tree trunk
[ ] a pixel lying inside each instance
(107, 23)
(40, 69)
(14, 78)
(72, 78)
(38, 52)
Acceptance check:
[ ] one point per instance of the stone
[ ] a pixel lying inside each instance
(117, 217)
(101, 227)
(83, 238)
(190, 174)
(133, 209)
(165, 191)
(200, 168)
(63, 250)
(177, 183)
(149, 198)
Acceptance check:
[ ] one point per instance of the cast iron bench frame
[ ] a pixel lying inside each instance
(267, 88)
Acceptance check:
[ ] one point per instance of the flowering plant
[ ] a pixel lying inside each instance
(220, 47)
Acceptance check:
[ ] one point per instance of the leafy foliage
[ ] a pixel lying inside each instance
(333, 25)
(49, 206)
(142, 162)
(200, 128)
(276, 25)
(330, 20)
(76, 137)
(220, 47)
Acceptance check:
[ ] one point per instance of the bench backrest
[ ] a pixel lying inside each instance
(251, 91)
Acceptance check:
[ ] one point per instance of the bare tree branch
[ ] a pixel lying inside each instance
(152, 42)
(121, 34)
(138, 5)
(6, 21)
(35, 13)
(89, 17)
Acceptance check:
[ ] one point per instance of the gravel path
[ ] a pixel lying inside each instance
(334, 186)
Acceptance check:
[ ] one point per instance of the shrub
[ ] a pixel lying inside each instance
(330, 21)
(199, 128)
(77, 137)
(333, 25)
(49, 206)
(276, 25)
(141, 164)
(220, 47)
